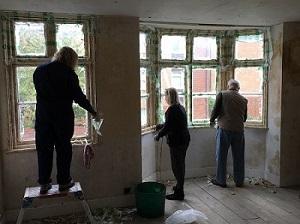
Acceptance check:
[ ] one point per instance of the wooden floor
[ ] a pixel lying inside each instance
(252, 204)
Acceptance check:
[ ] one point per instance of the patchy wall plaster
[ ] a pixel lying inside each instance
(118, 156)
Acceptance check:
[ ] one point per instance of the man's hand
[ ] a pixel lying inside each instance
(156, 137)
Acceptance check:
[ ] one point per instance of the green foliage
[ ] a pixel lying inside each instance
(30, 39)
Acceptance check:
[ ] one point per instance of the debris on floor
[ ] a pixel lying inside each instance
(101, 215)
(114, 215)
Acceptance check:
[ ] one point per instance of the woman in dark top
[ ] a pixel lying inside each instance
(178, 138)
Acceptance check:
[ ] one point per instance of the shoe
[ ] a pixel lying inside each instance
(178, 197)
(215, 182)
(239, 185)
(45, 187)
(65, 187)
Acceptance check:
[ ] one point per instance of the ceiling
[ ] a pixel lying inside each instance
(226, 12)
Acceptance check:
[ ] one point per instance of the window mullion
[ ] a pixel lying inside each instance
(50, 35)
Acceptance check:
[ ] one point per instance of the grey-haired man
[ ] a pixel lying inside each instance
(230, 109)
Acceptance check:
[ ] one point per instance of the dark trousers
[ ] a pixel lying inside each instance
(236, 140)
(50, 136)
(178, 154)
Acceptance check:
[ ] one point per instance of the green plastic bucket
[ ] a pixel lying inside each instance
(150, 199)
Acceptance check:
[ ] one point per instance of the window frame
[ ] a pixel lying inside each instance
(224, 66)
(12, 61)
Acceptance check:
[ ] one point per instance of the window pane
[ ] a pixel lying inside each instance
(25, 86)
(144, 101)
(205, 48)
(249, 47)
(202, 107)
(80, 71)
(173, 47)
(143, 46)
(204, 80)
(81, 115)
(250, 78)
(30, 39)
(172, 77)
(254, 107)
(143, 81)
(26, 122)
(71, 35)
(80, 126)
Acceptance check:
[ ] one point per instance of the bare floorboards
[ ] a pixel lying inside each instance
(252, 204)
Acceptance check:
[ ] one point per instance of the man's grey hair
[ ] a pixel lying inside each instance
(233, 84)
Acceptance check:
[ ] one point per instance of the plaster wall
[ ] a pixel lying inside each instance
(273, 137)
(200, 159)
(149, 157)
(2, 111)
(117, 163)
(290, 142)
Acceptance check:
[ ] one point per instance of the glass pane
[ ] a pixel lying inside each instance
(172, 77)
(254, 107)
(26, 113)
(143, 81)
(71, 35)
(250, 78)
(80, 71)
(25, 87)
(204, 80)
(144, 101)
(81, 115)
(249, 47)
(205, 48)
(202, 107)
(81, 125)
(30, 39)
(143, 46)
(173, 47)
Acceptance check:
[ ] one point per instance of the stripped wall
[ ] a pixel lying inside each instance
(200, 159)
(117, 164)
(290, 123)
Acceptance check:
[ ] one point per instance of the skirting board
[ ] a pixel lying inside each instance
(69, 207)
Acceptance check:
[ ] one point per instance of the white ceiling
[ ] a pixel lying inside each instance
(227, 12)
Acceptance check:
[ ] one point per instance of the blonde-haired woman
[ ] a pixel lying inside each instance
(57, 86)
(178, 138)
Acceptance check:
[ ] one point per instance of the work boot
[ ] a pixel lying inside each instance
(45, 187)
(65, 187)
(177, 195)
(215, 182)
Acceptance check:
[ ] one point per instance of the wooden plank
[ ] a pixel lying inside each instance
(215, 205)
(279, 199)
(265, 216)
(268, 206)
(228, 200)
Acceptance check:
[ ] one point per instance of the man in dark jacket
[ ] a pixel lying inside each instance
(231, 110)
(178, 138)
(57, 86)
